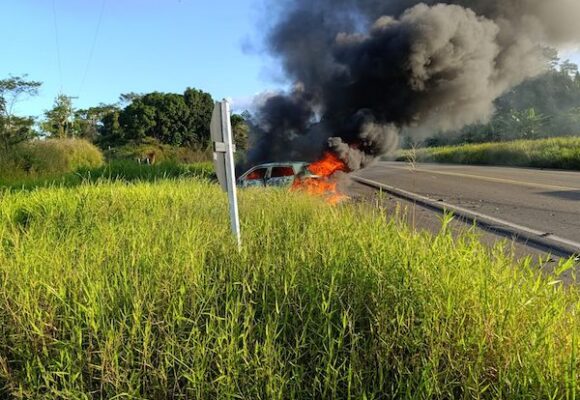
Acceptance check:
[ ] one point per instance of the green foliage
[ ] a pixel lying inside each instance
(543, 107)
(48, 157)
(169, 118)
(129, 171)
(241, 131)
(525, 124)
(137, 120)
(14, 129)
(114, 171)
(557, 153)
(200, 106)
(98, 124)
(138, 291)
(59, 121)
(151, 151)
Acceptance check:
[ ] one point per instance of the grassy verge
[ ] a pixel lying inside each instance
(558, 153)
(137, 291)
(126, 171)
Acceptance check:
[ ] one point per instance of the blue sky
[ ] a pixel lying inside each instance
(141, 46)
(138, 46)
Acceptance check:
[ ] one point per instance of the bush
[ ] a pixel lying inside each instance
(49, 157)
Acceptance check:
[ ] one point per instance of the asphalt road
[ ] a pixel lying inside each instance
(544, 200)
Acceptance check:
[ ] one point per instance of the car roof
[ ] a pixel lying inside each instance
(281, 164)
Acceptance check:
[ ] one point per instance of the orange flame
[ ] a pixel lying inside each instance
(328, 165)
(325, 184)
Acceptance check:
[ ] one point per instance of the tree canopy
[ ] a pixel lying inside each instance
(173, 119)
(15, 129)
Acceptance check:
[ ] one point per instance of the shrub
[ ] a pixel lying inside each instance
(49, 157)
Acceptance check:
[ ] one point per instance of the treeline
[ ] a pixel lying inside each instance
(179, 120)
(543, 107)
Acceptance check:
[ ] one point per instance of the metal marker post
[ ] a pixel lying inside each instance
(221, 133)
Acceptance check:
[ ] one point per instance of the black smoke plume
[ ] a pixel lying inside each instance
(365, 70)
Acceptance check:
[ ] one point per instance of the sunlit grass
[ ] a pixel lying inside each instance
(558, 153)
(50, 157)
(116, 171)
(138, 291)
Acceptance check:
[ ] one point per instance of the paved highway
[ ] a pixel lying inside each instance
(543, 200)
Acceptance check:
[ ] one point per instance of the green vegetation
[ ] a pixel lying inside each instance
(147, 128)
(15, 129)
(41, 158)
(138, 291)
(543, 107)
(167, 119)
(151, 151)
(118, 170)
(557, 153)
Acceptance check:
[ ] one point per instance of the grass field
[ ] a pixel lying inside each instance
(119, 170)
(557, 153)
(137, 291)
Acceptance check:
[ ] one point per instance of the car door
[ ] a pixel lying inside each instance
(281, 176)
(255, 178)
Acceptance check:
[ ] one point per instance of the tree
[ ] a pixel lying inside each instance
(170, 118)
(137, 120)
(525, 124)
(97, 123)
(13, 129)
(128, 98)
(569, 68)
(545, 106)
(241, 130)
(111, 132)
(200, 106)
(59, 121)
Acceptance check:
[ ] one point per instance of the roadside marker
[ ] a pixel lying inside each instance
(224, 149)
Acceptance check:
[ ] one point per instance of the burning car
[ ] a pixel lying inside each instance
(319, 178)
(276, 174)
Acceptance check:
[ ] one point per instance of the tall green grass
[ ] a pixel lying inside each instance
(119, 170)
(138, 292)
(51, 157)
(557, 153)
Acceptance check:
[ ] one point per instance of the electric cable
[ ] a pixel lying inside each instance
(59, 61)
(93, 46)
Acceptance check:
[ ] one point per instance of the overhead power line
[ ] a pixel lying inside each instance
(57, 44)
(93, 45)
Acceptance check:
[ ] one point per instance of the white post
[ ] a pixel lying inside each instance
(231, 171)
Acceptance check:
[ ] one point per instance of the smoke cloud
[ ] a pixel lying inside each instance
(365, 70)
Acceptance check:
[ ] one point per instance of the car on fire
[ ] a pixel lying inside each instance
(275, 174)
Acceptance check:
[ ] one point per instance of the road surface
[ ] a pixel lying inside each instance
(543, 200)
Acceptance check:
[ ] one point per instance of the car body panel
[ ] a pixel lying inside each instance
(281, 174)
